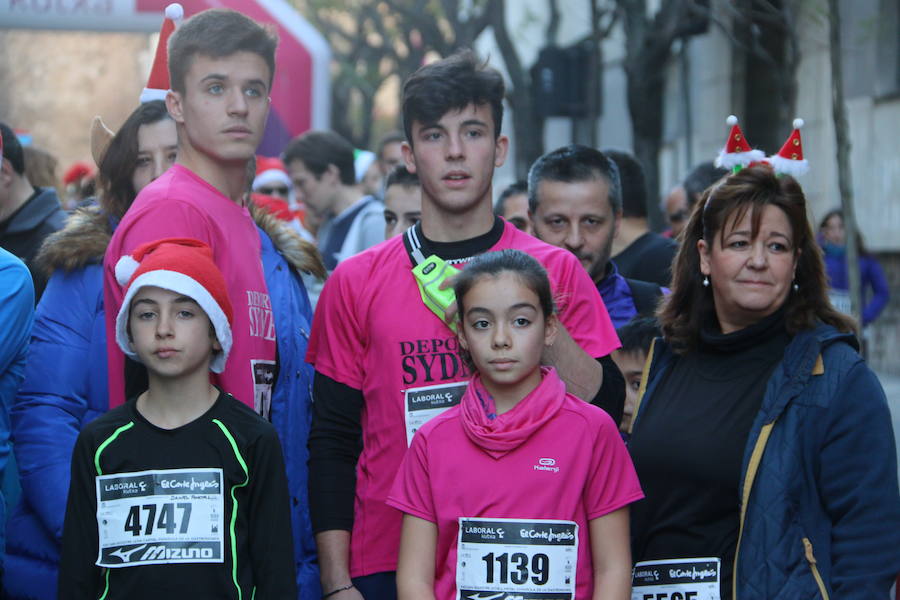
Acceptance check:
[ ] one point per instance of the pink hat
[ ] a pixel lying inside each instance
(158, 82)
(181, 265)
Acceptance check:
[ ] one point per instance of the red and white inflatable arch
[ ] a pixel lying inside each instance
(301, 93)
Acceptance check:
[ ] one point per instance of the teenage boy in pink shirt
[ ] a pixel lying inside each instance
(385, 363)
(221, 67)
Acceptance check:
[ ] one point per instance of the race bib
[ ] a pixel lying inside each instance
(425, 403)
(676, 579)
(506, 559)
(160, 517)
(263, 382)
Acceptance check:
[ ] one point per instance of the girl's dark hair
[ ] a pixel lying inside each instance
(836, 212)
(527, 269)
(118, 163)
(751, 189)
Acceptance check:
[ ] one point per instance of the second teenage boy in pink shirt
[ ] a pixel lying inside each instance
(385, 364)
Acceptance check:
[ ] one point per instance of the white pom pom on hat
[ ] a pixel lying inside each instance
(125, 268)
(175, 11)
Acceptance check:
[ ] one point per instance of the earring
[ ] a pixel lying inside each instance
(705, 281)
(796, 286)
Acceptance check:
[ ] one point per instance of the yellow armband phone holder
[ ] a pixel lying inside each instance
(429, 275)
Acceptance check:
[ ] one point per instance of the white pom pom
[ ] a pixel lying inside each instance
(125, 268)
(175, 11)
(798, 123)
(731, 120)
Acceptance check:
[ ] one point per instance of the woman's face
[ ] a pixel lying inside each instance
(833, 230)
(750, 278)
(157, 149)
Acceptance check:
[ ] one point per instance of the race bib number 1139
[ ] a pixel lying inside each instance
(511, 558)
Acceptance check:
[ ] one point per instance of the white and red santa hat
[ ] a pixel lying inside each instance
(270, 170)
(789, 159)
(180, 265)
(737, 152)
(158, 82)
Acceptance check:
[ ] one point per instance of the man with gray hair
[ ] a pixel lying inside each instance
(575, 200)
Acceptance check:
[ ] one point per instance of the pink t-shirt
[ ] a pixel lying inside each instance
(552, 457)
(373, 333)
(181, 204)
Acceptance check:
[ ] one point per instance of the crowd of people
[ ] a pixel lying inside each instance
(353, 375)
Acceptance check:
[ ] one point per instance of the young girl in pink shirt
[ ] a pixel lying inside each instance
(522, 489)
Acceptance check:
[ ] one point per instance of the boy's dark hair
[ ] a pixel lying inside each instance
(217, 33)
(491, 264)
(399, 175)
(318, 149)
(571, 164)
(637, 334)
(513, 189)
(118, 163)
(12, 149)
(451, 84)
(701, 177)
(393, 137)
(634, 185)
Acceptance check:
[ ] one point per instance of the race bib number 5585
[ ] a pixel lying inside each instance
(159, 517)
(522, 559)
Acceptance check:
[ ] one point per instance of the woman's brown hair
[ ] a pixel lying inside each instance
(117, 166)
(751, 189)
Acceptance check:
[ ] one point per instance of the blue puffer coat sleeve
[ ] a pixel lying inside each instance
(292, 403)
(857, 479)
(16, 314)
(64, 388)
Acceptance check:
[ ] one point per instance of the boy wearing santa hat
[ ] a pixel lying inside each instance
(181, 491)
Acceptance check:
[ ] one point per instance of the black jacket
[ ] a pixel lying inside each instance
(24, 231)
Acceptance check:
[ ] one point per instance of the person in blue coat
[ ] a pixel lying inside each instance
(65, 383)
(16, 317)
(873, 284)
(762, 440)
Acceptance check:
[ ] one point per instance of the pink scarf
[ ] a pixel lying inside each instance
(508, 431)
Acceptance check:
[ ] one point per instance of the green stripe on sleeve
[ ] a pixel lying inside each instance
(107, 442)
(234, 503)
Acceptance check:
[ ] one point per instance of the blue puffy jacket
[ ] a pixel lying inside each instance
(820, 510)
(66, 386)
(16, 317)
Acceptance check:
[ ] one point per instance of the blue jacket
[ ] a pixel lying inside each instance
(66, 387)
(820, 511)
(872, 282)
(16, 314)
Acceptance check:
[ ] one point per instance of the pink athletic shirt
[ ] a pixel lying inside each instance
(553, 456)
(373, 333)
(181, 204)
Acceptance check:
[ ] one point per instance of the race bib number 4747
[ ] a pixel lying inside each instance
(160, 517)
(505, 559)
